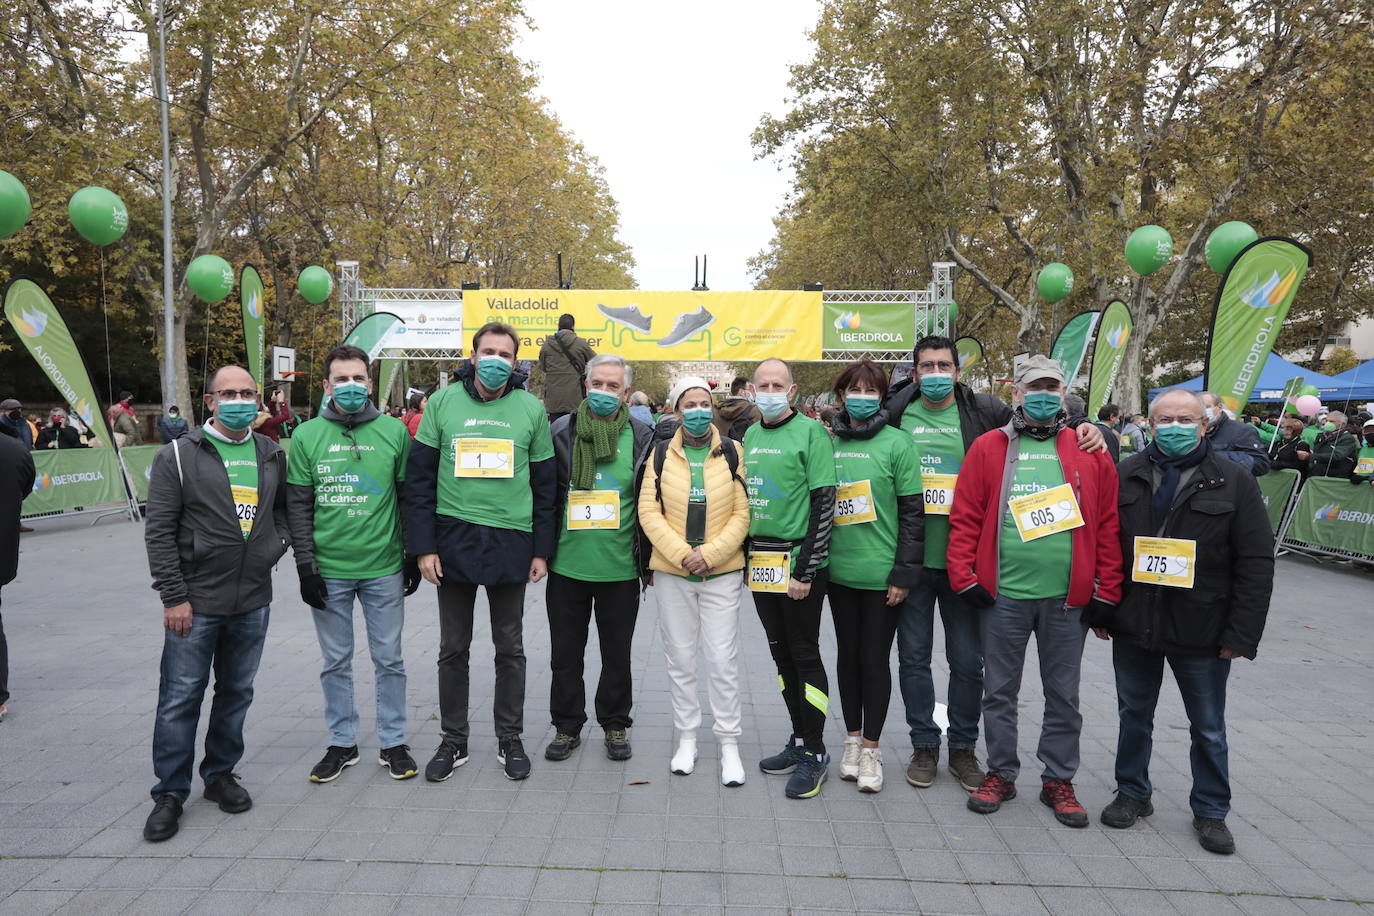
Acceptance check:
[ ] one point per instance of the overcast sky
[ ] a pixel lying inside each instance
(665, 96)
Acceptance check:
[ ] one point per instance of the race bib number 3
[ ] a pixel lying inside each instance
(484, 458)
(854, 503)
(1039, 515)
(593, 510)
(245, 507)
(939, 492)
(1165, 561)
(768, 572)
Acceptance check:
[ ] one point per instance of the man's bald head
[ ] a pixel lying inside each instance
(1178, 403)
(770, 369)
(233, 378)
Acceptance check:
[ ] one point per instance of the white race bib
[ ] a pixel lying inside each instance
(1039, 515)
(245, 507)
(1165, 561)
(939, 492)
(768, 571)
(593, 510)
(854, 503)
(484, 458)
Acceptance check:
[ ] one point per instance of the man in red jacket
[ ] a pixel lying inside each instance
(1033, 540)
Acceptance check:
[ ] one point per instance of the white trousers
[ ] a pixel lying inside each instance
(705, 616)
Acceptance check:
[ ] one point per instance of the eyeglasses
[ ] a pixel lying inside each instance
(246, 394)
(944, 366)
(1186, 421)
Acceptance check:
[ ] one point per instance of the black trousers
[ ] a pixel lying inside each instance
(864, 629)
(572, 604)
(507, 604)
(793, 629)
(4, 665)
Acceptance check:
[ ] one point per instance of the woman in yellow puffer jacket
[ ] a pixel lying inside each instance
(696, 517)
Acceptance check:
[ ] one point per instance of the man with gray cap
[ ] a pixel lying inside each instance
(13, 424)
(1033, 540)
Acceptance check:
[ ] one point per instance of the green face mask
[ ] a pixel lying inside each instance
(861, 406)
(1176, 438)
(236, 415)
(1043, 405)
(1328, 427)
(350, 397)
(937, 386)
(493, 372)
(697, 420)
(602, 403)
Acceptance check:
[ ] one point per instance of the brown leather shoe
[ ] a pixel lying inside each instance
(963, 766)
(920, 772)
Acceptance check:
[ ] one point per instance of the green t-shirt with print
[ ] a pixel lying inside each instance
(241, 464)
(940, 442)
(355, 475)
(1364, 461)
(696, 493)
(872, 473)
(602, 554)
(1039, 568)
(485, 450)
(784, 464)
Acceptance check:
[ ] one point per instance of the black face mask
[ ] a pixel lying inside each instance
(1369, 439)
(15, 415)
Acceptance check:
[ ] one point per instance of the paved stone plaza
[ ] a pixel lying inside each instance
(589, 835)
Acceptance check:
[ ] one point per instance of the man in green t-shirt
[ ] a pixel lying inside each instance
(790, 473)
(600, 450)
(342, 480)
(479, 510)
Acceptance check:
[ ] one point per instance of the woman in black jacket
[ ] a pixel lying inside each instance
(1292, 451)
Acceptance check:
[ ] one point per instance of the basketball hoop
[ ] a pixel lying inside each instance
(290, 372)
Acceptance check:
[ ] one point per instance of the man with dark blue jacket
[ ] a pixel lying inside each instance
(1234, 441)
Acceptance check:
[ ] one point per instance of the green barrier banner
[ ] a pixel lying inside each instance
(1335, 515)
(43, 331)
(138, 461)
(1251, 304)
(1113, 332)
(251, 295)
(1071, 344)
(1277, 488)
(72, 478)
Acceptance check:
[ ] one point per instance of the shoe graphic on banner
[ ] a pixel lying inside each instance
(628, 315)
(687, 325)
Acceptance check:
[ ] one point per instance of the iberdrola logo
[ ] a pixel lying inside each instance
(1116, 337)
(42, 482)
(847, 321)
(965, 359)
(31, 324)
(254, 304)
(1268, 293)
(1327, 513)
(82, 409)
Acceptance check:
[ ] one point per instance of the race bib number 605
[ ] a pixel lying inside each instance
(1039, 515)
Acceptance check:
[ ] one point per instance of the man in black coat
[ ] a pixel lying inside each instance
(16, 481)
(1233, 440)
(1199, 571)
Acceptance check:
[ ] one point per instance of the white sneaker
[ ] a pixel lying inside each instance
(731, 770)
(870, 769)
(849, 762)
(685, 760)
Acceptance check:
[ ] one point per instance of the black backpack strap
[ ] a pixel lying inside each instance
(660, 452)
(578, 365)
(727, 448)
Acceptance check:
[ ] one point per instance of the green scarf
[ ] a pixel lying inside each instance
(594, 443)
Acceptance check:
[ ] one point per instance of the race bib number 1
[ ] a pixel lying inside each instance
(484, 458)
(1039, 515)
(245, 507)
(768, 572)
(939, 492)
(854, 503)
(593, 510)
(1165, 561)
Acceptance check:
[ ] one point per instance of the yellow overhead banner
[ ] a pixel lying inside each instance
(660, 325)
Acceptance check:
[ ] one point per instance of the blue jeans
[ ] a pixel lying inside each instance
(232, 646)
(963, 651)
(383, 615)
(1202, 684)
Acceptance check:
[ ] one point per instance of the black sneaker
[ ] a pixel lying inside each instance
(232, 797)
(449, 757)
(617, 744)
(1125, 811)
(398, 762)
(511, 755)
(163, 822)
(1214, 836)
(809, 774)
(331, 766)
(562, 746)
(784, 762)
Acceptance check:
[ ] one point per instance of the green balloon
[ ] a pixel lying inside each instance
(98, 215)
(1148, 249)
(14, 205)
(210, 277)
(1310, 389)
(315, 284)
(1226, 242)
(1055, 281)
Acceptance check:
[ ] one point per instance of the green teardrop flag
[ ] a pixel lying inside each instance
(15, 206)
(315, 284)
(1251, 305)
(1071, 344)
(98, 215)
(368, 335)
(970, 353)
(1055, 281)
(386, 378)
(1113, 333)
(44, 333)
(210, 277)
(1226, 242)
(252, 299)
(1148, 249)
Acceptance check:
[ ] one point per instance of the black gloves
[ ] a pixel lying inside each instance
(1098, 613)
(412, 576)
(978, 596)
(313, 591)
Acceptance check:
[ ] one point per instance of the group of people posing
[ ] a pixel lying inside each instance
(1013, 520)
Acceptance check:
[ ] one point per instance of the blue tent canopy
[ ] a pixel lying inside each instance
(1277, 372)
(1355, 384)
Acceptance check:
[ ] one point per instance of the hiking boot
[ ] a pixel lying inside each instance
(1214, 836)
(331, 766)
(687, 325)
(808, 776)
(448, 757)
(163, 821)
(1058, 794)
(963, 766)
(562, 746)
(849, 758)
(226, 791)
(1125, 811)
(511, 755)
(920, 772)
(870, 770)
(784, 762)
(628, 315)
(617, 744)
(398, 762)
(988, 797)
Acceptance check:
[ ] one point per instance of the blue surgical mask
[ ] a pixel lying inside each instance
(697, 420)
(602, 403)
(771, 405)
(1176, 438)
(1043, 405)
(861, 406)
(350, 397)
(236, 415)
(1211, 414)
(937, 386)
(493, 372)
